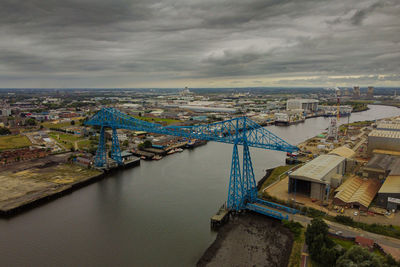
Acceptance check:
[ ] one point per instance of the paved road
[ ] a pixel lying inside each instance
(351, 232)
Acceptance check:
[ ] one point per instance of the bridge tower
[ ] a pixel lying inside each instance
(101, 154)
(242, 184)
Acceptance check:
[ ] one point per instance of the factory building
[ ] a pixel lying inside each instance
(356, 92)
(383, 140)
(378, 167)
(389, 193)
(316, 177)
(356, 192)
(347, 153)
(370, 92)
(307, 105)
(388, 126)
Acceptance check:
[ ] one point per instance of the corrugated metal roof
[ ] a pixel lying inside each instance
(317, 169)
(388, 126)
(384, 133)
(387, 152)
(343, 151)
(380, 161)
(395, 167)
(391, 184)
(357, 190)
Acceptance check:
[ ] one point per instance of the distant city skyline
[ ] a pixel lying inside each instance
(199, 44)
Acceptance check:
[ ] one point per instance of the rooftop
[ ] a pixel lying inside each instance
(388, 126)
(385, 133)
(391, 184)
(343, 151)
(381, 162)
(358, 190)
(318, 168)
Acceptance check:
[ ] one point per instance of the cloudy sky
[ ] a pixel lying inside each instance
(202, 43)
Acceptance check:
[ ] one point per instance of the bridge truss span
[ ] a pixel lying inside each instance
(239, 131)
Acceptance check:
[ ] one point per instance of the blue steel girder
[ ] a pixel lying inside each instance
(101, 154)
(224, 132)
(115, 149)
(235, 193)
(238, 131)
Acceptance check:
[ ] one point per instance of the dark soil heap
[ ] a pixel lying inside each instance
(250, 240)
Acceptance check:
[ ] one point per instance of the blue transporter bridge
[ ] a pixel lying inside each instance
(242, 192)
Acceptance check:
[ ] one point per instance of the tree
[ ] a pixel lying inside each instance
(322, 248)
(30, 122)
(4, 131)
(147, 144)
(358, 256)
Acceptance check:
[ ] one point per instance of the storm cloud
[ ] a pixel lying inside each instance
(210, 43)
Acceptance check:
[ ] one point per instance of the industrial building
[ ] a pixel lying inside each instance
(349, 154)
(378, 167)
(383, 140)
(307, 105)
(356, 92)
(356, 192)
(370, 92)
(316, 177)
(388, 126)
(389, 193)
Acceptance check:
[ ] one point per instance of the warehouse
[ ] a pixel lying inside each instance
(383, 140)
(388, 126)
(347, 153)
(389, 194)
(356, 192)
(315, 178)
(378, 167)
(307, 105)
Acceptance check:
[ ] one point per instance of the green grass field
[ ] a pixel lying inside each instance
(273, 177)
(60, 125)
(344, 243)
(157, 120)
(14, 141)
(68, 140)
(64, 136)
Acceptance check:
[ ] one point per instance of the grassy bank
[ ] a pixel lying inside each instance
(274, 176)
(13, 142)
(298, 242)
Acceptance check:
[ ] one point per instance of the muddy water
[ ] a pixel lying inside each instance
(154, 215)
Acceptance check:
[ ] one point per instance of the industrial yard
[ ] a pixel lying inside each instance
(353, 174)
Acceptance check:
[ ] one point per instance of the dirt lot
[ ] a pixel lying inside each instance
(25, 183)
(250, 240)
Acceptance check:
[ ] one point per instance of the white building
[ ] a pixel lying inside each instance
(308, 105)
(5, 112)
(315, 178)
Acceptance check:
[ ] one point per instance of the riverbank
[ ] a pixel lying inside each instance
(23, 189)
(250, 240)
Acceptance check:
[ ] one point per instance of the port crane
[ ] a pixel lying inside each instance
(242, 192)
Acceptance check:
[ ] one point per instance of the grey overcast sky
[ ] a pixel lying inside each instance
(204, 43)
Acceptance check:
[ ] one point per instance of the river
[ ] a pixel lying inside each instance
(153, 215)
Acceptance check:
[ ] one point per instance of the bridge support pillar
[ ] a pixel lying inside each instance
(101, 154)
(115, 149)
(235, 194)
(249, 183)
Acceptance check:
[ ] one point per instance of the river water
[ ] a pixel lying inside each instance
(153, 215)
